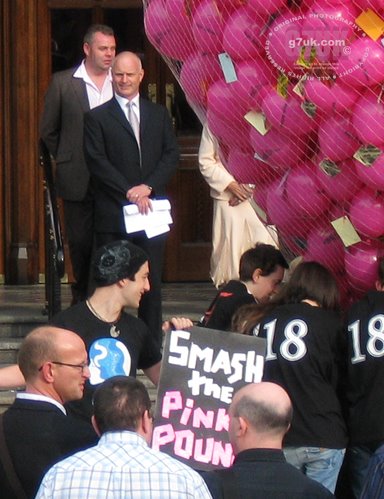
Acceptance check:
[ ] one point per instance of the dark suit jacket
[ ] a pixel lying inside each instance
(113, 158)
(61, 128)
(263, 474)
(38, 435)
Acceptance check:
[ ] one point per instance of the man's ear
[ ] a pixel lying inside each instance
(256, 274)
(95, 426)
(47, 372)
(86, 48)
(242, 426)
(379, 286)
(146, 426)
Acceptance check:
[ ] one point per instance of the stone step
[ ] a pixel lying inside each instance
(6, 399)
(17, 320)
(8, 350)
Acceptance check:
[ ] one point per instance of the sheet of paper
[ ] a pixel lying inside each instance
(154, 223)
(346, 231)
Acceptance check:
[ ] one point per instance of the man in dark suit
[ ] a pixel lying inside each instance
(37, 431)
(259, 416)
(131, 152)
(72, 93)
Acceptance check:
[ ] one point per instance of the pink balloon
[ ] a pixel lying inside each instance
(327, 97)
(265, 7)
(222, 101)
(286, 115)
(243, 36)
(247, 169)
(223, 130)
(377, 5)
(362, 264)
(325, 246)
(363, 64)
(197, 74)
(368, 118)
(327, 29)
(367, 212)
(373, 175)
(337, 138)
(304, 192)
(292, 229)
(171, 37)
(252, 78)
(208, 27)
(277, 150)
(339, 182)
(281, 48)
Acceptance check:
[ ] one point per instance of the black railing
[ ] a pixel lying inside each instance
(54, 251)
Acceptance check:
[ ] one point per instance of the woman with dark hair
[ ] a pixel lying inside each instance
(305, 347)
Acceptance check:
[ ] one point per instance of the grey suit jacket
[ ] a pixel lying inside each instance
(113, 157)
(61, 128)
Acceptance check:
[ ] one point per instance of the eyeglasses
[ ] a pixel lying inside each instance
(83, 366)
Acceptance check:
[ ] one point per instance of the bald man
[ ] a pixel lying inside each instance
(259, 417)
(37, 430)
(131, 152)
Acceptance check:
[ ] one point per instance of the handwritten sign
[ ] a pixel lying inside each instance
(201, 370)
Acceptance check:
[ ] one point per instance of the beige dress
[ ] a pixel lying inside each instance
(235, 228)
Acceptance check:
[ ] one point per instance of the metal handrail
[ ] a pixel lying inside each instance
(54, 248)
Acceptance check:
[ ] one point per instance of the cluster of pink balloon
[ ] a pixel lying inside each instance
(308, 77)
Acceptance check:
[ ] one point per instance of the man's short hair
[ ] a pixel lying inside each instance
(119, 403)
(263, 256)
(38, 347)
(97, 28)
(263, 417)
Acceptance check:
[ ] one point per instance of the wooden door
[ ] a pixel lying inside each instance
(189, 242)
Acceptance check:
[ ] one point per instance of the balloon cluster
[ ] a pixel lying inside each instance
(292, 90)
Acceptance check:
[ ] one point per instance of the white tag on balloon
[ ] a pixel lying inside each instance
(228, 68)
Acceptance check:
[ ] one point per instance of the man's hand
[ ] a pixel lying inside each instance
(139, 194)
(177, 323)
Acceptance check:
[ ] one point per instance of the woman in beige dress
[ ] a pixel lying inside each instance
(235, 227)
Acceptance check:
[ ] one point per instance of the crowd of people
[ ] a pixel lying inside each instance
(311, 428)
(82, 425)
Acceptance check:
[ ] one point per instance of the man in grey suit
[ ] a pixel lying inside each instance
(131, 152)
(72, 93)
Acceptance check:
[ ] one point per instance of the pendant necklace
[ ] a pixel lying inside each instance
(113, 331)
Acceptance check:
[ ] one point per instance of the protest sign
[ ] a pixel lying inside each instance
(201, 370)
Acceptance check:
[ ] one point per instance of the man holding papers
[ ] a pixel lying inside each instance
(131, 152)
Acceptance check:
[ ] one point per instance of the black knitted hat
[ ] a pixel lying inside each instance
(117, 260)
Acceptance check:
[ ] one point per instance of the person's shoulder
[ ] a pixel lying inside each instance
(174, 465)
(371, 302)
(152, 107)
(60, 319)
(233, 285)
(104, 108)
(76, 429)
(134, 321)
(65, 74)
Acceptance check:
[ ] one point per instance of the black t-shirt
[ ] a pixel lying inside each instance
(134, 348)
(365, 388)
(220, 312)
(304, 355)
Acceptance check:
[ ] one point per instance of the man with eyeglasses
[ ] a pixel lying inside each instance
(36, 432)
(122, 464)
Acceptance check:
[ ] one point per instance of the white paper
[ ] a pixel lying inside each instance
(156, 222)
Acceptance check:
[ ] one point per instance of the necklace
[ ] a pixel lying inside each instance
(113, 331)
